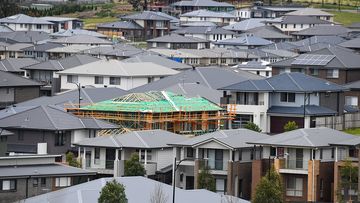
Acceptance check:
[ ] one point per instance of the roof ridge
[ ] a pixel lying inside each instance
(202, 76)
(253, 84)
(140, 138)
(86, 95)
(269, 84)
(292, 79)
(306, 137)
(112, 138)
(48, 115)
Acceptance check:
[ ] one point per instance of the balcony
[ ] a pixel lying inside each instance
(216, 167)
(294, 166)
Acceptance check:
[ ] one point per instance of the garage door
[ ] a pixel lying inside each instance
(277, 123)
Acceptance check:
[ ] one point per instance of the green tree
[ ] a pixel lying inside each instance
(112, 192)
(269, 189)
(348, 181)
(71, 160)
(8, 8)
(206, 180)
(136, 4)
(252, 126)
(291, 125)
(133, 167)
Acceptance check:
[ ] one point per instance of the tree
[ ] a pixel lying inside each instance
(348, 181)
(8, 8)
(270, 188)
(291, 125)
(136, 4)
(133, 167)
(71, 160)
(252, 126)
(158, 195)
(112, 192)
(206, 180)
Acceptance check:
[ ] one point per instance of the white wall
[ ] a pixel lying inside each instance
(299, 100)
(101, 163)
(164, 157)
(30, 27)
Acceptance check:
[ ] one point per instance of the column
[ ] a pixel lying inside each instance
(197, 153)
(145, 163)
(79, 154)
(84, 159)
(116, 164)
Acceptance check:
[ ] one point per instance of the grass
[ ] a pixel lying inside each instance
(329, 2)
(333, 6)
(353, 131)
(346, 18)
(90, 23)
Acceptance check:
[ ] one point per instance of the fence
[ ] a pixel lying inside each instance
(342, 122)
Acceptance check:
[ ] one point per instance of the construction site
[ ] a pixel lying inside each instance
(158, 110)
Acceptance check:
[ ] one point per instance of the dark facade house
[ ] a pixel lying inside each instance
(270, 11)
(3, 138)
(15, 89)
(352, 97)
(122, 29)
(269, 33)
(48, 129)
(324, 30)
(353, 44)
(175, 41)
(38, 51)
(22, 177)
(14, 65)
(181, 7)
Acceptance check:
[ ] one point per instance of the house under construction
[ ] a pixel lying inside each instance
(158, 110)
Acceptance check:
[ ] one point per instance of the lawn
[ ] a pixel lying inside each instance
(354, 131)
(346, 18)
(90, 23)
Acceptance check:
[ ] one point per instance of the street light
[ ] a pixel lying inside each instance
(79, 89)
(175, 167)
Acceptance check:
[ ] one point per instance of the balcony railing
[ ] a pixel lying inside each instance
(213, 164)
(295, 164)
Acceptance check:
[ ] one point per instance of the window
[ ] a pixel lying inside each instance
(20, 135)
(302, 25)
(285, 25)
(43, 182)
(72, 78)
(8, 185)
(321, 153)
(150, 79)
(39, 54)
(351, 100)
(223, 61)
(189, 152)
(294, 25)
(272, 151)
(63, 182)
(332, 73)
(99, 80)
(35, 182)
(96, 155)
(314, 71)
(60, 138)
(213, 61)
(115, 80)
(287, 97)
(282, 25)
(38, 27)
(294, 187)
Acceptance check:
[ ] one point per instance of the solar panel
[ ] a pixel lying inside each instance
(312, 59)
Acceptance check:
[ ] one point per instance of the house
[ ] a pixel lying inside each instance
(333, 63)
(48, 129)
(38, 51)
(269, 33)
(352, 97)
(244, 25)
(313, 12)
(67, 51)
(211, 33)
(109, 153)
(290, 24)
(27, 176)
(324, 30)
(121, 29)
(89, 192)
(219, 18)
(81, 40)
(181, 7)
(246, 41)
(308, 161)
(113, 73)
(158, 110)
(227, 155)
(71, 32)
(62, 23)
(21, 22)
(3, 138)
(175, 41)
(242, 13)
(29, 37)
(271, 11)
(153, 24)
(14, 65)
(116, 51)
(15, 89)
(13, 50)
(44, 72)
(261, 68)
(5, 28)
(159, 60)
(352, 44)
(272, 102)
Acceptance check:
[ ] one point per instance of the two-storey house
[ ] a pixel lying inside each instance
(21, 22)
(211, 33)
(219, 18)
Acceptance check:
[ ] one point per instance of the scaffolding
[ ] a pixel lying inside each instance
(158, 110)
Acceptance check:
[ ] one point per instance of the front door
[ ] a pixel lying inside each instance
(110, 157)
(299, 158)
(189, 182)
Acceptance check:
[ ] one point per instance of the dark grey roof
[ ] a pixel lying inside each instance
(280, 46)
(173, 19)
(175, 38)
(42, 47)
(5, 28)
(309, 12)
(307, 137)
(50, 118)
(245, 40)
(236, 138)
(136, 139)
(11, 80)
(246, 24)
(62, 64)
(202, 3)
(81, 39)
(121, 25)
(24, 19)
(299, 20)
(211, 77)
(309, 110)
(158, 60)
(355, 25)
(118, 50)
(323, 30)
(199, 24)
(66, 99)
(15, 64)
(286, 82)
(207, 13)
(268, 32)
(353, 85)
(71, 32)
(48, 170)
(203, 30)
(146, 15)
(24, 36)
(319, 39)
(353, 43)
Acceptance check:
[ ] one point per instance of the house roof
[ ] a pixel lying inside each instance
(245, 40)
(355, 25)
(118, 68)
(146, 139)
(286, 82)
(246, 24)
(11, 80)
(323, 30)
(353, 85)
(235, 138)
(175, 38)
(118, 50)
(353, 43)
(42, 47)
(15, 64)
(298, 20)
(207, 13)
(41, 170)
(267, 32)
(5, 28)
(159, 60)
(280, 46)
(309, 110)
(57, 18)
(306, 137)
(172, 18)
(24, 19)
(199, 24)
(24, 36)
(51, 118)
(4, 132)
(74, 48)
(72, 32)
(81, 39)
(203, 30)
(202, 3)
(90, 191)
(147, 15)
(309, 12)
(121, 25)
(326, 39)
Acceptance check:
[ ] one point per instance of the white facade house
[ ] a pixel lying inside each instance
(112, 73)
(21, 22)
(261, 68)
(241, 14)
(219, 18)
